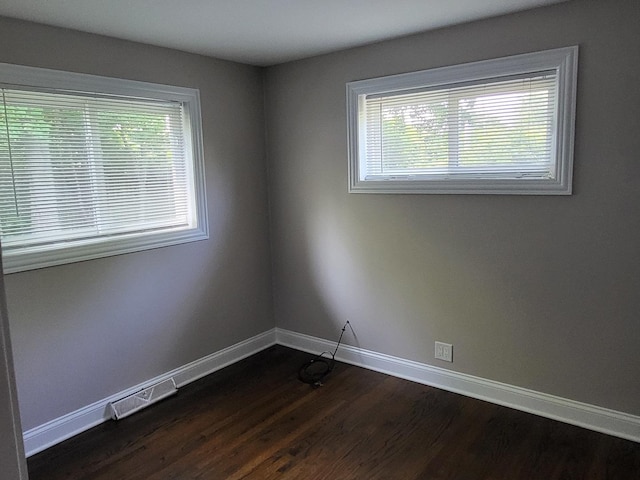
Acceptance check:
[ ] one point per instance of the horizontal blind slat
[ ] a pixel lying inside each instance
(71, 162)
(496, 127)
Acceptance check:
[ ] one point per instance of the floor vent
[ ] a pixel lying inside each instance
(137, 401)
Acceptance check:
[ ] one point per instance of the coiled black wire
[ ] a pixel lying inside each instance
(314, 371)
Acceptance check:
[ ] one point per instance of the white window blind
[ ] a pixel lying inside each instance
(497, 129)
(498, 126)
(91, 174)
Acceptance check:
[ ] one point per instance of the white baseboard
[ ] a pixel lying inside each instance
(584, 415)
(55, 431)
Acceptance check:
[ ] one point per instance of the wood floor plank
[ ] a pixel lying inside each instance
(256, 420)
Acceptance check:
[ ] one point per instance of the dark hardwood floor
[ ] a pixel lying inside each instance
(255, 420)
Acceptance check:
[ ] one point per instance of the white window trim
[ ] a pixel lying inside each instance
(562, 60)
(80, 250)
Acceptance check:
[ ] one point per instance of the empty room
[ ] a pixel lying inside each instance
(300, 240)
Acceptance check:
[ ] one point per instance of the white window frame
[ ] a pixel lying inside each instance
(562, 60)
(29, 258)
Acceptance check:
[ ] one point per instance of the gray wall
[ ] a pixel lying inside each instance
(539, 292)
(84, 331)
(12, 460)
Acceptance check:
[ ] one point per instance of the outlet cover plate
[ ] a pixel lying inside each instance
(444, 351)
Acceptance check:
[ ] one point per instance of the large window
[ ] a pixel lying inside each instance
(499, 126)
(93, 166)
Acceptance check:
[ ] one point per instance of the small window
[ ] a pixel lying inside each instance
(502, 126)
(93, 166)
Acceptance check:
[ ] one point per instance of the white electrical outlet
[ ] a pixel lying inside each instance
(444, 351)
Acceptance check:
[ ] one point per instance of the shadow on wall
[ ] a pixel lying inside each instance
(403, 280)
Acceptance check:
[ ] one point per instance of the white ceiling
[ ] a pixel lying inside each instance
(259, 32)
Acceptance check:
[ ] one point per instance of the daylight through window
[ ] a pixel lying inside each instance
(500, 126)
(91, 173)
